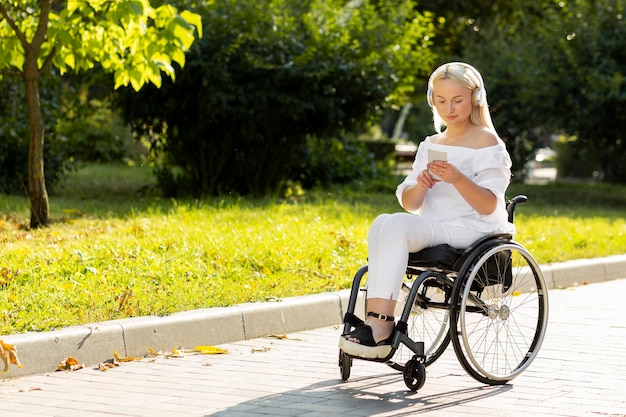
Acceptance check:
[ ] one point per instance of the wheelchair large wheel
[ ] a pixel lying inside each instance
(499, 314)
(427, 323)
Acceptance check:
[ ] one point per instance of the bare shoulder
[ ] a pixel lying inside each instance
(483, 138)
(436, 138)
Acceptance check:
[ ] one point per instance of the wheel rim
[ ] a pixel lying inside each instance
(503, 330)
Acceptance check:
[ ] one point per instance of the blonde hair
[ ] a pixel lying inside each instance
(469, 77)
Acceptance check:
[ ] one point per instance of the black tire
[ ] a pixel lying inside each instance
(345, 364)
(414, 374)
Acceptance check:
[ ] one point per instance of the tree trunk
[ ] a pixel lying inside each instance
(39, 208)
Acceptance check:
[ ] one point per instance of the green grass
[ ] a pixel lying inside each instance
(116, 250)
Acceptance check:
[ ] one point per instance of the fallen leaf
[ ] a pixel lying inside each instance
(69, 364)
(105, 366)
(210, 350)
(261, 349)
(276, 336)
(125, 358)
(29, 389)
(8, 353)
(175, 353)
(281, 337)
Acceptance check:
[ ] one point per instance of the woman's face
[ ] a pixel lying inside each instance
(453, 102)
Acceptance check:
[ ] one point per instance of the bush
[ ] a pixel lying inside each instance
(340, 161)
(575, 160)
(268, 76)
(94, 133)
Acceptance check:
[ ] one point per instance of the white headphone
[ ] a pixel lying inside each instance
(478, 99)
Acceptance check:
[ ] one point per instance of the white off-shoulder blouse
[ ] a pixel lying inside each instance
(488, 167)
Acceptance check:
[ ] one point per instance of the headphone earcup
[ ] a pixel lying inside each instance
(478, 97)
(429, 97)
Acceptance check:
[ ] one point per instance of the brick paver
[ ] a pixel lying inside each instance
(580, 371)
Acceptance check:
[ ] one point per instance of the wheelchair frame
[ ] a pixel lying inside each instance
(490, 300)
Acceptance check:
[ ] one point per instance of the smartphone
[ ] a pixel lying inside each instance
(436, 156)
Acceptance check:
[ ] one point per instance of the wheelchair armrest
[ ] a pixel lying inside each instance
(510, 205)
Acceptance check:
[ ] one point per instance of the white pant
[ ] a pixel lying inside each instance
(392, 236)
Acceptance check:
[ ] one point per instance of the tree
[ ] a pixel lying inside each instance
(592, 65)
(128, 38)
(267, 76)
(559, 67)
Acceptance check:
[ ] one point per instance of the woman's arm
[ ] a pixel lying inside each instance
(413, 197)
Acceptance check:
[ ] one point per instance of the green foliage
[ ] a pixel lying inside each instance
(339, 161)
(267, 76)
(129, 38)
(574, 160)
(496, 38)
(113, 252)
(14, 134)
(594, 60)
(558, 67)
(92, 132)
(77, 131)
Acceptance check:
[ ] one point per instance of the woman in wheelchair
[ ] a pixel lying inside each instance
(454, 195)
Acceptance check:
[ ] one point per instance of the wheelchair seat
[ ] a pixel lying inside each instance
(448, 258)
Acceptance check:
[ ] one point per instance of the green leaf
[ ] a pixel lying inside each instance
(136, 79)
(193, 19)
(136, 7)
(70, 61)
(153, 74)
(121, 79)
(178, 56)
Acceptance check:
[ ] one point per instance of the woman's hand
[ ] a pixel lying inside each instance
(444, 170)
(425, 181)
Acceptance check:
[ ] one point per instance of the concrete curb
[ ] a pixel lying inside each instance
(90, 344)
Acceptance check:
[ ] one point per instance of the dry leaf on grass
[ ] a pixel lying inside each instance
(8, 353)
(70, 364)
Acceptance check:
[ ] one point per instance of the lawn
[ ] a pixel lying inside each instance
(115, 249)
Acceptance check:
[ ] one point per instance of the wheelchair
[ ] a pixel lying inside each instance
(490, 300)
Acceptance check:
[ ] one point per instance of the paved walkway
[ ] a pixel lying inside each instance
(580, 371)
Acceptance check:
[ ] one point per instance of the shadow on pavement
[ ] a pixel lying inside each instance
(335, 397)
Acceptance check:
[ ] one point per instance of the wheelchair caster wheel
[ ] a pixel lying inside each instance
(414, 374)
(345, 363)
